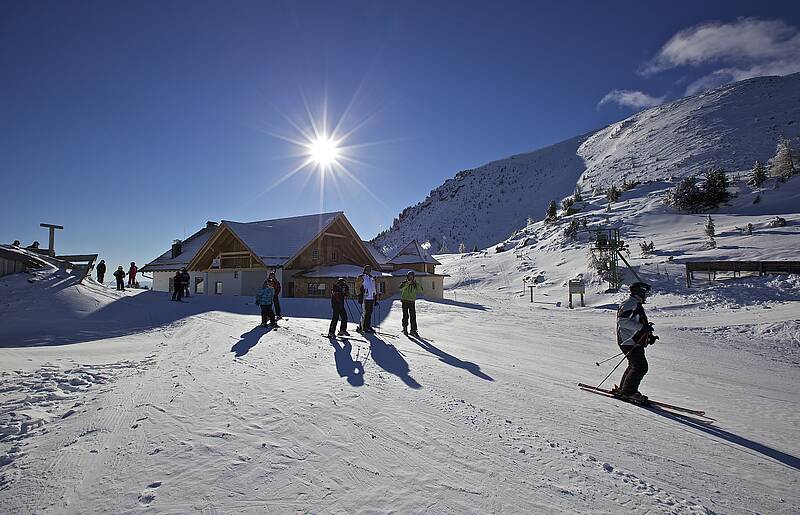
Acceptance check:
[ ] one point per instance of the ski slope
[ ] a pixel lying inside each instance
(189, 407)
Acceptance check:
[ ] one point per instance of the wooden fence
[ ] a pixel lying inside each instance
(737, 267)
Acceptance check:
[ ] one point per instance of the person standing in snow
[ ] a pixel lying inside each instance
(634, 333)
(367, 296)
(101, 271)
(177, 287)
(185, 281)
(264, 298)
(276, 303)
(132, 275)
(120, 276)
(408, 296)
(339, 294)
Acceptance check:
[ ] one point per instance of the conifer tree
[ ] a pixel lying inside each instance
(782, 165)
(758, 175)
(715, 189)
(710, 231)
(552, 211)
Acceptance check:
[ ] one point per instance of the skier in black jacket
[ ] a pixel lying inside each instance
(177, 286)
(186, 279)
(339, 294)
(101, 271)
(634, 333)
(120, 276)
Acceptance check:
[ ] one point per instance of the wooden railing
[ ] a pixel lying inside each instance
(737, 267)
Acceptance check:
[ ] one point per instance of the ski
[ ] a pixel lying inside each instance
(608, 393)
(344, 337)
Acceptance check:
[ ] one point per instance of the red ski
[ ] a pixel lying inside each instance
(609, 393)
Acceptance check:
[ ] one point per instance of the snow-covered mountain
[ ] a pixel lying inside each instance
(729, 127)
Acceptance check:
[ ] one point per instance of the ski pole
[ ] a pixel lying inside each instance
(598, 363)
(618, 364)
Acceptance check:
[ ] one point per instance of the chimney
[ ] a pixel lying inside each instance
(210, 224)
(176, 248)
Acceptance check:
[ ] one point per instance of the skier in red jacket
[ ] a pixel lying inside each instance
(132, 275)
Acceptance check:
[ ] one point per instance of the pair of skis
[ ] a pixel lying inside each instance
(656, 405)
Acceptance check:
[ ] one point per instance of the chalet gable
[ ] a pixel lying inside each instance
(298, 243)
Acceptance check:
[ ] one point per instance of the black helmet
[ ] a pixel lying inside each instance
(640, 287)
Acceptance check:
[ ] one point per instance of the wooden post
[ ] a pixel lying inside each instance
(531, 286)
(52, 242)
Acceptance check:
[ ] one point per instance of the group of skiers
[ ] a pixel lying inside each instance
(367, 297)
(180, 285)
(268, 298)
(119, 275)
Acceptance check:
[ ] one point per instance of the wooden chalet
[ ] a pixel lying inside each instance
(307, 253)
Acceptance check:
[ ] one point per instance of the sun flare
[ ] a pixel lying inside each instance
(323, 151)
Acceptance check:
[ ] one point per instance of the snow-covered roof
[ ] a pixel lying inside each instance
(379, 256)
(276, 241)
(412, 253)
(189, 248)
(30, 258)
(335, 271)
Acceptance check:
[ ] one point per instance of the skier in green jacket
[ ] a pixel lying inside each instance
(408, 295)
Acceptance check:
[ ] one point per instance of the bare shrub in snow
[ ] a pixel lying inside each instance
(613, 193)
(647, 248)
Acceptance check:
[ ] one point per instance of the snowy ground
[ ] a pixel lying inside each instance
(165, 407)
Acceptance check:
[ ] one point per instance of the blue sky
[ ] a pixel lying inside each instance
(134, 123)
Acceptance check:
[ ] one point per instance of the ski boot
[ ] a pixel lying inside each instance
(343, 333)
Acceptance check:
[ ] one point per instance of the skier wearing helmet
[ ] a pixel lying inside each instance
(408, 296)
(634, 333)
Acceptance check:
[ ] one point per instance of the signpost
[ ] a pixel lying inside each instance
(576, 286)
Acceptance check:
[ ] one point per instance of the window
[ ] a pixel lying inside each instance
(334, 255)
(316, 289)
(315, 255)
(382, 287)
(198, 285)
(433, 285)
(218, 288)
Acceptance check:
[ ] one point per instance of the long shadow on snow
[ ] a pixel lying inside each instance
(451, 360)
(346, 366)
(727, 436)
(249, 340)
(151, 310)
(386, 356)
(458, 304)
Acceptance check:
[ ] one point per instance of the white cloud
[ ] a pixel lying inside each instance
(748, 47)
(630, 98)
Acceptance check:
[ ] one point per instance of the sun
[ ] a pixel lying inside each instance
(324, 151)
